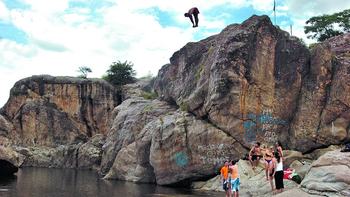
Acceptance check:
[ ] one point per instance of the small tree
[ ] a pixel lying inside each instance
(324, 27)
(120, 73)
(84, 70)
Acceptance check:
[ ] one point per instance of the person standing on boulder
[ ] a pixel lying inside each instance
(279, 149)
(223, 178)
(193, 11)
(234, 180)
(278, 172)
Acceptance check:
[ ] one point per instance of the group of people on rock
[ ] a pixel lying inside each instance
(273, 161)
(229, 176)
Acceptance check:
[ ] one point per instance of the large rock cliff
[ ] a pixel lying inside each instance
(54, 116)
(257, 83)
(252, 82)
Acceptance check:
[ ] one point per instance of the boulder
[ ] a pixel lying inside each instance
(290, 156)
(191, 148)
(90, 153)
(329, 174)
(300, 168)
(129, 119)
(245, 80)
(296, 192)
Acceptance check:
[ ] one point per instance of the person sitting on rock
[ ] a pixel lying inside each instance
(193, 11)
(255, 154)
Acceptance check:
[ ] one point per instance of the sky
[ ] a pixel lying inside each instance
(56, 37)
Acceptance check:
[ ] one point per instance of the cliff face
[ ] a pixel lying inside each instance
(48, 119)
(252, 82)
(256, 83)
(322, 116)
(246, 80)
(51, 111)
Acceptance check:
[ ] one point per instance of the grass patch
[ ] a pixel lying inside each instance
(149, 108)
(199, 72)
(183, 107)
(149, 96)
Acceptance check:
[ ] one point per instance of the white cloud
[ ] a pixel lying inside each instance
(48, 7)
(74, 18)
(4, 13)
(308, 9)
(264, 6)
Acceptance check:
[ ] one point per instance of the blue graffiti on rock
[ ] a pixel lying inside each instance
(260, 125)
(181, 158)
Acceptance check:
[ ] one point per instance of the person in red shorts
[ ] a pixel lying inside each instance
(193, 11)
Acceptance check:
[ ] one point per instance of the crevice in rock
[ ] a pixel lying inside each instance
(327, 95)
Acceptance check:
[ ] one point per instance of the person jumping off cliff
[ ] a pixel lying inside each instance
(193, 11)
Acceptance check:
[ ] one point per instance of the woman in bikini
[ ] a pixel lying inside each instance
(267, 161)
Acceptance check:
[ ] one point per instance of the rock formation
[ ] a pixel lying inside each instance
(245, 80)
(257, 83)
(47, 119)
(252, 82)
(9, 159)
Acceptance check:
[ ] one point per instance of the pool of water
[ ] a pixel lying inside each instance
(48, 182)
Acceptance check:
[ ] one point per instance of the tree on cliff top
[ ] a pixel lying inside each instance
(84, 70)
(327, 26)
(120, 73)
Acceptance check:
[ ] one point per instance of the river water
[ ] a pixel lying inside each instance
(48, 182)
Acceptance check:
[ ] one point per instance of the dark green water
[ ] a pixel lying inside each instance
(45, 182)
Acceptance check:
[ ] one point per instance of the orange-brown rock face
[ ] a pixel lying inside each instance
(245, 80)
(52, 111)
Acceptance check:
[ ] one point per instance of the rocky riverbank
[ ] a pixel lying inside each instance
(251, 82)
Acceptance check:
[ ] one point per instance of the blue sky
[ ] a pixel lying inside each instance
(56, 37)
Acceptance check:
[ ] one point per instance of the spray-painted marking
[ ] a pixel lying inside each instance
(181, 158)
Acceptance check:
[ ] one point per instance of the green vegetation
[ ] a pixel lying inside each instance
(149, 96)
(199, 72)
(323, 27)
(120, 73)
(84, 70)
(312, 45)
(183, 107)
(149, 108)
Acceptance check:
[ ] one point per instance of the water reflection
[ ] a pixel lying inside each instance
(75, 183)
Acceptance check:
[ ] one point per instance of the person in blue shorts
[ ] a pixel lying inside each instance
(223, 178)
(234, 180)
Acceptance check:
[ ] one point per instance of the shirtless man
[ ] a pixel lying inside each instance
(234, 180)
(255, 154)
(193, 11)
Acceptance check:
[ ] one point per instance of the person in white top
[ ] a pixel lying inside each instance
(278, 172)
